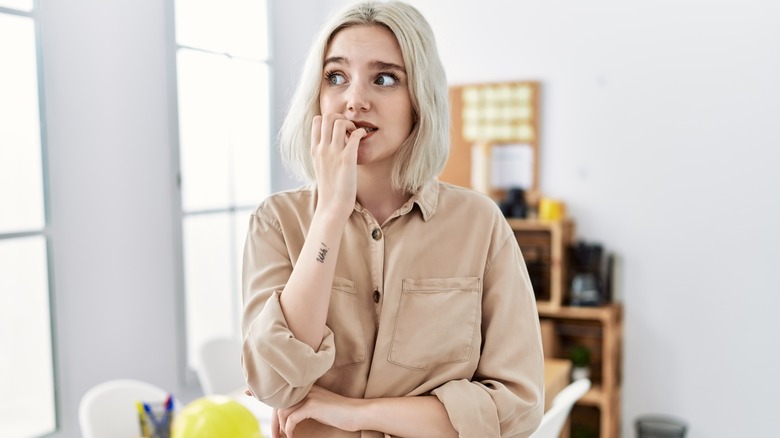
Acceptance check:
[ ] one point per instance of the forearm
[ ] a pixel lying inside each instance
(422, 416)
(306, 296)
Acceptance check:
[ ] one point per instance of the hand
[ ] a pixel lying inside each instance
(276, 432)
(323, 406)
(334, 146)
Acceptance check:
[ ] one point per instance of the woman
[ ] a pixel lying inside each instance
(378, 300)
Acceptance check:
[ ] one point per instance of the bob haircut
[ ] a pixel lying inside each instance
(423, 154)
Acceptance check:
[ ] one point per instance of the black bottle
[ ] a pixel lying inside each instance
(514, 204)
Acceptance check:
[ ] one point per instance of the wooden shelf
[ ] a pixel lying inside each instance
(594, 397)
(600, 313)
(534, 224)
(601, 329)
(543, 244)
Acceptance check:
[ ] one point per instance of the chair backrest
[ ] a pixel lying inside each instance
(109, 409)
(219, 370)
(555, 417)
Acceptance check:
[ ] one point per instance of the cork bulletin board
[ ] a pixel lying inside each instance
(489, 116)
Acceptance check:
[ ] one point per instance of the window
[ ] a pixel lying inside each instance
(222, 67)
(27, 395)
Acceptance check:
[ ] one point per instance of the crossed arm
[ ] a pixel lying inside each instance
(411, 417)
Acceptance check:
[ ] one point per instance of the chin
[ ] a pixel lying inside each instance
(363, 157)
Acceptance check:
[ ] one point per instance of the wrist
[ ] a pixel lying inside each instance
(332, 216)
(364, 410)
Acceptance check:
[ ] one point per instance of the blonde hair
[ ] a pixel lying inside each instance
(423, 154)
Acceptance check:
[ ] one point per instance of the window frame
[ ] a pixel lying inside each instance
(45, 231)
(187, 375)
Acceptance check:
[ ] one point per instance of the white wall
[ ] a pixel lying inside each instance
(111, 192)
(293, 27)
(660, 131)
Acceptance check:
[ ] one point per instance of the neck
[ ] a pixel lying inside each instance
(376, 194)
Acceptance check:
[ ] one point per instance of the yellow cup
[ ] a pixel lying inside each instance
(551, 209)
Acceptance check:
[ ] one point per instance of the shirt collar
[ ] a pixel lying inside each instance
(427, 198)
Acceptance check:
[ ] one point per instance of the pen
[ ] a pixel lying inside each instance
(168, 409)
(149, 412)
(141, 421)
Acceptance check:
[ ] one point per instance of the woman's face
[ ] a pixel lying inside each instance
(364, 78)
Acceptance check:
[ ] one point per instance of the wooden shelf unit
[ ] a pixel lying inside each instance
(605, 392)
(599, 328)
(543, 244)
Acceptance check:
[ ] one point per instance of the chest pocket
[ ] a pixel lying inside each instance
(344, 321)
(436, 322)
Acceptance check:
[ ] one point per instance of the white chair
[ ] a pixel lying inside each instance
(109, 409)
(219, 370)
(554, 419)
(220, 373)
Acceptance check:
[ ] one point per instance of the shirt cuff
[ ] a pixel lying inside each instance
(294, 361)
(470, 408)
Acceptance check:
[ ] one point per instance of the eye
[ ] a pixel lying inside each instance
(386, 80)
(334, 78)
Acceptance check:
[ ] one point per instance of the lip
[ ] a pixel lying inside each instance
(370, 127)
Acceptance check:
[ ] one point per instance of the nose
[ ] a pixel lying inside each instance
(357, 98)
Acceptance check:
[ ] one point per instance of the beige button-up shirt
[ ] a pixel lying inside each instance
(435, 301)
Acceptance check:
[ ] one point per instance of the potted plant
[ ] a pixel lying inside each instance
(580, 360)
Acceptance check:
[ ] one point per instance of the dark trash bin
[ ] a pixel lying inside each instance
(660, 426)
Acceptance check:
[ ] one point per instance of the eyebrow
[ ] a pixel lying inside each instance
(376, 65)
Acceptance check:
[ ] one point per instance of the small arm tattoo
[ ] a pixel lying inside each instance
(323, 252)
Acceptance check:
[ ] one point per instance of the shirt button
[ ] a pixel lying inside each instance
(376, 234)
(376, 296)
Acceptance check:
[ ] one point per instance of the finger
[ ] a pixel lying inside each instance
(353, 142)
(316, 130)
(281, 417)
(292, 421)
(275, 429)
(248, 392)
(341, 128)
(326, 132)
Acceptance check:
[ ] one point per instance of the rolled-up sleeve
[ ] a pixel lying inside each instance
(505, 398)
(279, 369)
